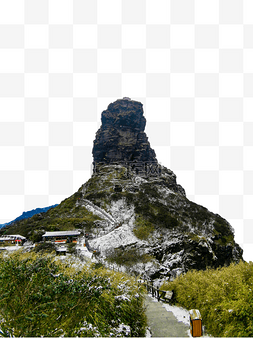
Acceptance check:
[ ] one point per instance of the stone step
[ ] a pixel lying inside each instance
(163, 323)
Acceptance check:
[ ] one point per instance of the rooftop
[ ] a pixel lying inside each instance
(62, 233)
(6, 237)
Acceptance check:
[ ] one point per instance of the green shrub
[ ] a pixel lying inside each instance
(45, 247)
(123, 256)
(143, 229)
(221, 227)
(98, 265)
(127, 257)
(224, 297)
(42, 296)
(150, 190)
(130, 197)
(36, 236)
(116, 196)
(71, 248)
(155, 212)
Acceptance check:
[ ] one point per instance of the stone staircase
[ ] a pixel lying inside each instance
(96, 210)
(163, 323)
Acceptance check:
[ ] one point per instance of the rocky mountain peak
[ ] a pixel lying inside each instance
(121, 137)
(125, 113)
(133, 208)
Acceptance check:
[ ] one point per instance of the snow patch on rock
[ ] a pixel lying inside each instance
(165, 192)
(122, 212)
(120, 236)
(174, 259)
(139, 180)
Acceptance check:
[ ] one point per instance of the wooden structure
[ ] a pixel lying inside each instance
(195, 316)
(12, 240)
(196, 323)
(62, 236)
(165, 296)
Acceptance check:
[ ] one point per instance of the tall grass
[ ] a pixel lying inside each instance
(42, 296)
(224, 297)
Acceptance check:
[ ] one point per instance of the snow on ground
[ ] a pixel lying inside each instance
(181, 314)
(10, 248)
(83, 249)
(148, 333)
(120, 236)
(122, 212)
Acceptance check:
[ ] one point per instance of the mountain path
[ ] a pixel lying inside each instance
(97, 210)
(163, 323)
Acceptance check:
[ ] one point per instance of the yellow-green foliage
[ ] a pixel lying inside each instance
(143, 229)
(224, 297)
(40, 295)
(128, 257)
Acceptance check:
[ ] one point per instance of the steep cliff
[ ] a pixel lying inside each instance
(121, 137)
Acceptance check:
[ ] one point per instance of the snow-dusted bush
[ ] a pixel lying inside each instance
(42, 296)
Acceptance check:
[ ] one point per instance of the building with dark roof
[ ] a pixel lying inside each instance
(62, 236)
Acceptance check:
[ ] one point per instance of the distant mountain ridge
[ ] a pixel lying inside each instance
(28, 214)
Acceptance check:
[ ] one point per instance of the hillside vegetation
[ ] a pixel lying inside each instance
(154, 213)
(66, 216)
(152, 209)
(224, 297)
(44, 296)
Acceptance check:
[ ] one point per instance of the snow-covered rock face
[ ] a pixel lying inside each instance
(121, 236)
(153, 217)
(122, 213)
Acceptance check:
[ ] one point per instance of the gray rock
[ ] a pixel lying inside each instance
(121, 137)
(136, 208)
(183, 235)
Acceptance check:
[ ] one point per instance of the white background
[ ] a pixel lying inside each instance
(188, 61)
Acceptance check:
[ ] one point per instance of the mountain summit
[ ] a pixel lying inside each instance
(121, 138)
(133, 208)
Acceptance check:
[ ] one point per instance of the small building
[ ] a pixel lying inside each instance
(62, 236)
(12, 240)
